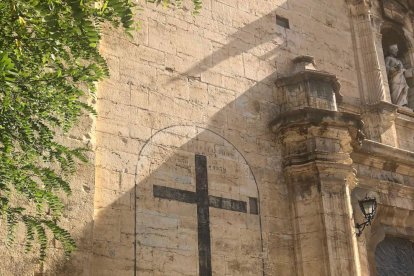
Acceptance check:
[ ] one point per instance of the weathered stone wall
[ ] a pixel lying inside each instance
(405, 128)
(188, 86)
(211, 73)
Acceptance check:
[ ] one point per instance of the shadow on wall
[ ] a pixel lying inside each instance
(158, 232)
(261, 32)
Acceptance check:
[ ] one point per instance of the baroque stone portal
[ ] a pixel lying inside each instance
(395, 71)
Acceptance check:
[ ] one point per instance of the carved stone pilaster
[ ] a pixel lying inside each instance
(366, 29)
(410, 80)
(317, 142)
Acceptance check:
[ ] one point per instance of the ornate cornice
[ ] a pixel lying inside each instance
(385, 152)
(317, 117)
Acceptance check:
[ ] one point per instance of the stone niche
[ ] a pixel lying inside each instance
(395, 10)
(393, 34)
(308, 87)
(397, 30)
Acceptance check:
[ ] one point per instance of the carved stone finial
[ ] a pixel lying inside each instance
(303, 63)
(306, 86)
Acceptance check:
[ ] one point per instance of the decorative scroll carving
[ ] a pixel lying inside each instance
(395, 10)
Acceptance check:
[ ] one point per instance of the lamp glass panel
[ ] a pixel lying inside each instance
(368, 207)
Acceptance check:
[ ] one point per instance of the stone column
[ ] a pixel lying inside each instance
(317, 142)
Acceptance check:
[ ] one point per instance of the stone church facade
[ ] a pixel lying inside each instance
(240, 141)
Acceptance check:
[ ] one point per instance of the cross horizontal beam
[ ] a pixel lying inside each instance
(190, 197)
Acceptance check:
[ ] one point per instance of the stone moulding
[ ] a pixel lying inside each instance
(372, 148)
(319, 117)
(381, 106)
(404, 111)
(306, 118)
(313, 116)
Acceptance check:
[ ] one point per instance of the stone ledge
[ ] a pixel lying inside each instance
(316, 117)
(405, 117)
(406, 111)
(386, 152)
(381, 106)
(308, 74)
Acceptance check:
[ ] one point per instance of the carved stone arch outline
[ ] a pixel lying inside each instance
(401, 31)
(394, 9)
(189, 133)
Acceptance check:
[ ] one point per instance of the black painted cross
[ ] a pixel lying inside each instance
(204, 201)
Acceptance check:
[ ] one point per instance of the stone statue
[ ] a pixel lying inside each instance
(396, 78)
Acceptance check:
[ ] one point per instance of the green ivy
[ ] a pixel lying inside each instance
(49, 61)
(178, 3)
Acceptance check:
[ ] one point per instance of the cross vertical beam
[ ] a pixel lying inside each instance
(204, 201)
(203, 216)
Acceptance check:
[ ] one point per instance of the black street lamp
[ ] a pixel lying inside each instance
(368, 207)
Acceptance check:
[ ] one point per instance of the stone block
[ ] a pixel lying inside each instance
(159, 38)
